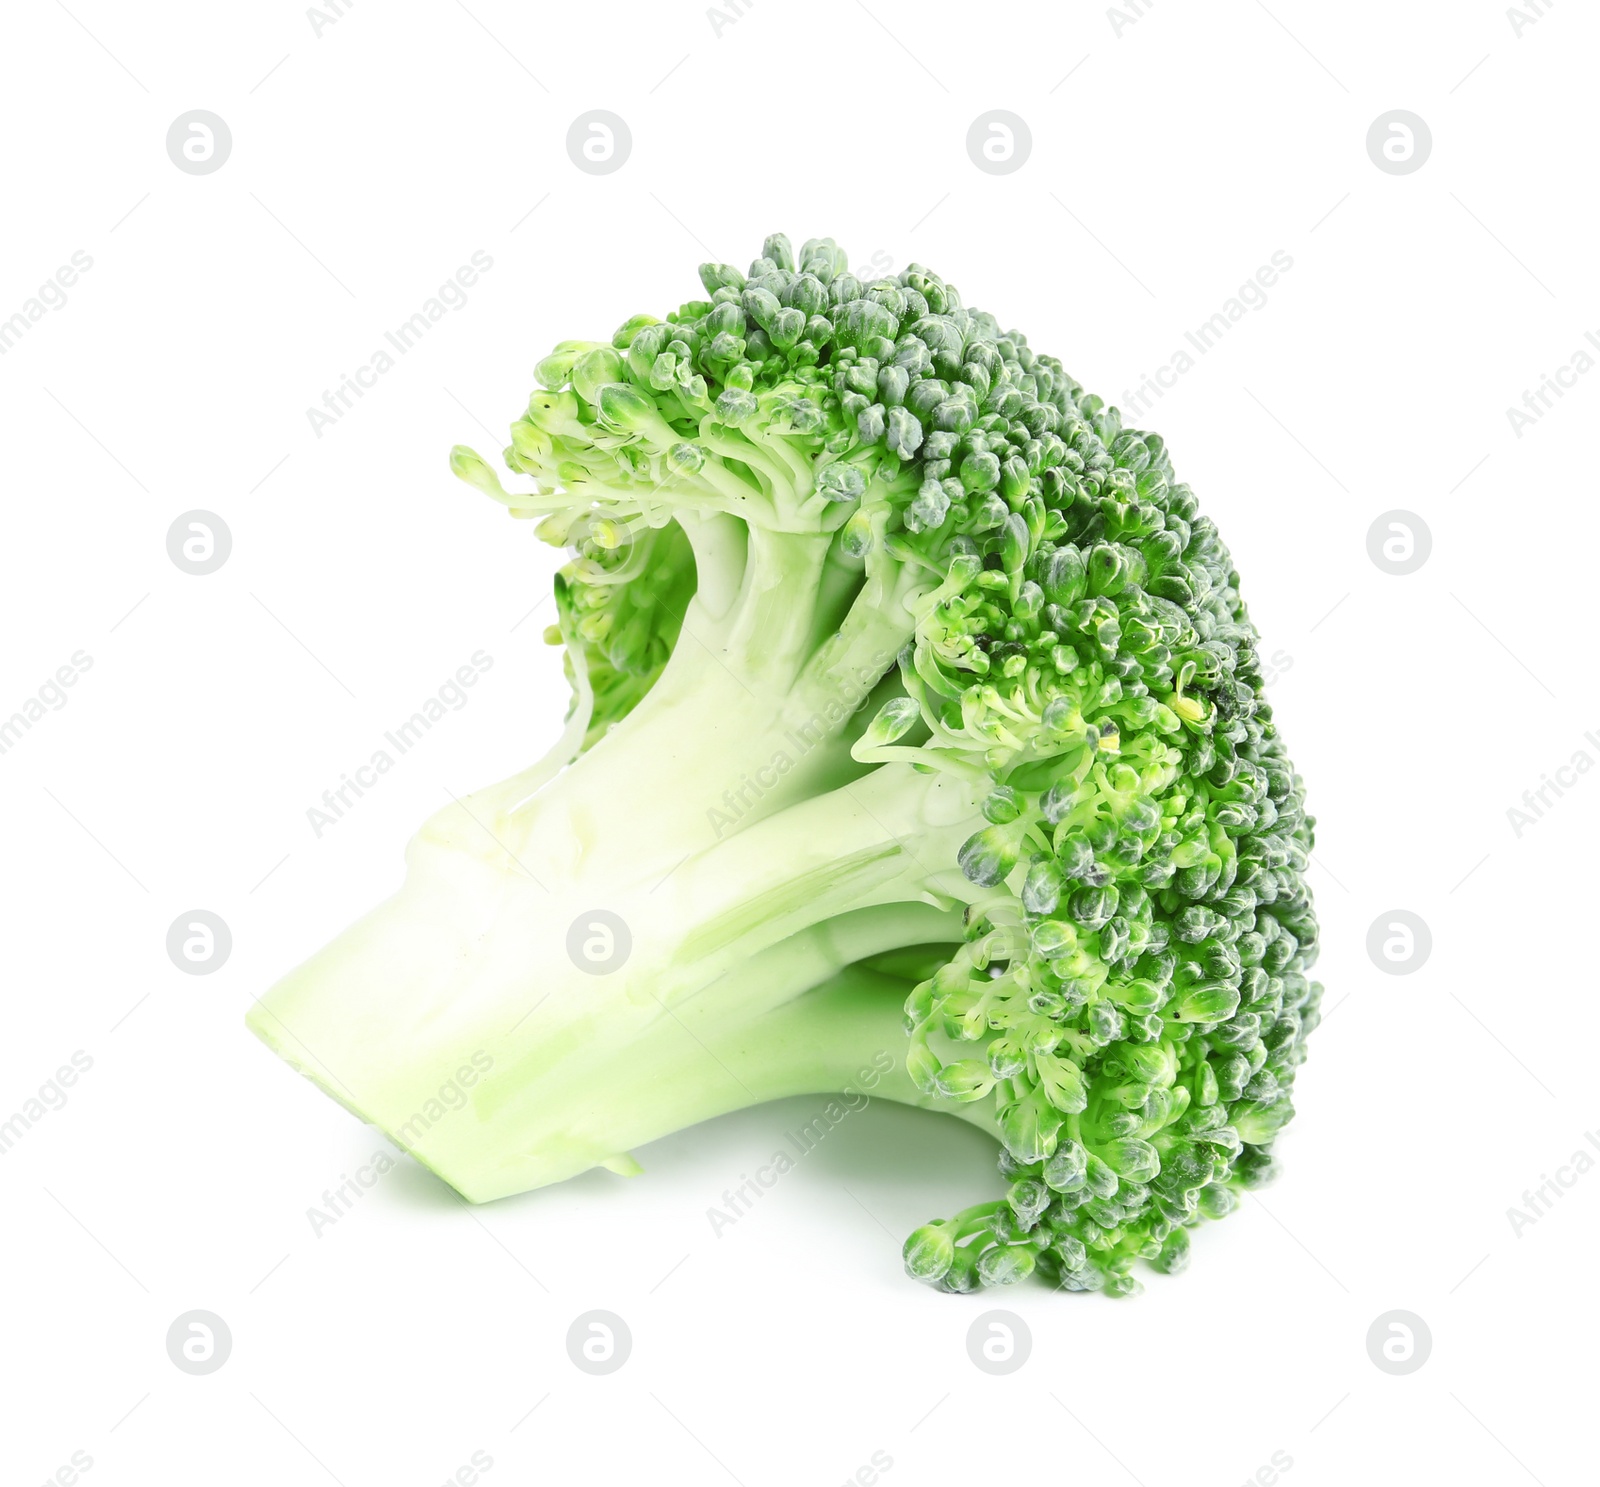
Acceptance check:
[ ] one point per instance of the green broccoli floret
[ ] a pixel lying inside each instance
(915, 712)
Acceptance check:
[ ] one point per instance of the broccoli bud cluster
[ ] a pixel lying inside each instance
(1132, 994)
(1137, 977)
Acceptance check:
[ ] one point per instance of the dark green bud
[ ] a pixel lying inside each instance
(1093, 905)
(980, 473)
(1255, 1166)
(963, 1273)
(1132, 1159)
(777, 249)
(990, 515)
(1029, 1126)
(1072, 1256)
(1174, 1256)
(928, 509)
(1014, 540)
(894, 720)
(786, 329)
(838, 482)
(762, 306)
(1028, 1198)
(965, 1080)
(976, 377)
(929, 1253)
(629, 329)
(735, 405)
(1258, 1123)
(1067, 1169)
(1099, 1179)
(1006, 1060)
(594, 370)
(1041, 892)
(1208, 1002)
(862, 322)
(903, 434)
(922, 1064)
(1006, 1264)
(808, 294)
(892, 384)
(987, 856)
(1062, 576)
(954, 415)
(1241, 1033)
(1108, 568)
(717, 276)
(1106, 1023)
(1014, 479)
(1052, 938)
(843, 288)
(923, 399)
(1231, 1073)
(1002, 805)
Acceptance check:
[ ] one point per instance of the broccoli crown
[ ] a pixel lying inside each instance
(1131, 995)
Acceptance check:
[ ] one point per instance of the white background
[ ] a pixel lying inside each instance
(368, 163)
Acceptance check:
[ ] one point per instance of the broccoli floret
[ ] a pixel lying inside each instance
(917, 739)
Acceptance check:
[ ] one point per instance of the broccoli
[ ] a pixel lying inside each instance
(915, 712)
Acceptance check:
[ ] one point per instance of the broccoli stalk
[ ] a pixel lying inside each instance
(916, 728)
